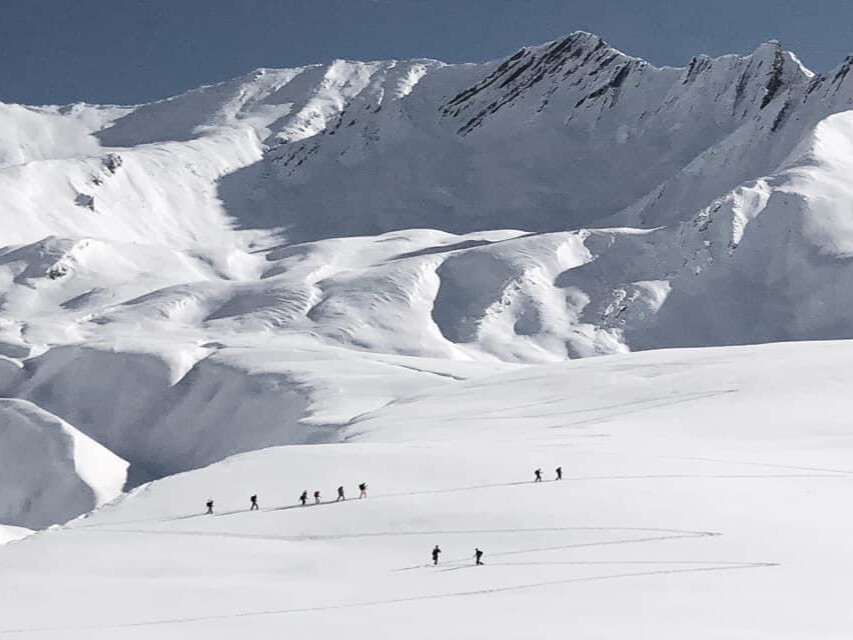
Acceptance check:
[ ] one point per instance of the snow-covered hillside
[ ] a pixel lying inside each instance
(212, 212)
(374, 256)
(703, 495)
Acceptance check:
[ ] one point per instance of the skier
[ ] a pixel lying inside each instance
(316, 497)
(478, 557)
(304, 497)
(210, 507)
(362, 488)
(537, 475)
(435, 553)
(340, 494)
(559, 473)
(254, 501)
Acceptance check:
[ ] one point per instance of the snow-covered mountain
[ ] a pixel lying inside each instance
(288, 250)
(401, 267)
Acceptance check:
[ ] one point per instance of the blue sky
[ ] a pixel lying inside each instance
(128, 51)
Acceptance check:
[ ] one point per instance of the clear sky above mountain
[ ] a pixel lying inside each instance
(58, 51)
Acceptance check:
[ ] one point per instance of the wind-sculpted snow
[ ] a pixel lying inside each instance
(31, 134)
(160, 425)
(49, 471)
(10, 533)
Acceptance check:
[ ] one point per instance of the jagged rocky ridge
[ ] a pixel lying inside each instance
(554, 137)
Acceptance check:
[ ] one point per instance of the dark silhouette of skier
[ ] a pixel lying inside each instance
(316, 497)
(435, 553)
(254, 501)
(209, 504)
(537, 475)
(362, 490)
(340, 494)
(304, 497)
(559, 473)
(478, 557)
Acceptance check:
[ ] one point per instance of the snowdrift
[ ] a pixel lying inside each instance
(49, 471)
(160, 425)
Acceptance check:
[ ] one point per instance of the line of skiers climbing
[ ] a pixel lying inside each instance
(362, 488)
(303, 498)
(362, 493)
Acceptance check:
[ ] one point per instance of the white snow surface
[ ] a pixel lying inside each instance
(703, 492)
(10, 533)
(396, 272)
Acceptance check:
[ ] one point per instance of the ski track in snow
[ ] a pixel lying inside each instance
(451, 565)
(827, 474)
(393, 601)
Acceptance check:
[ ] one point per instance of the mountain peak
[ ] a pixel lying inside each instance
(773, 49)
(585, 58)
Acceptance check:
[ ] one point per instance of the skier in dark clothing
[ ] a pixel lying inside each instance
(537, 475)
(316, 497)
(435, 553)
(362, 490)
(303, 498)
(478, 557)
(210, 507)
(254, 501)
(340, 494)
(559, 473)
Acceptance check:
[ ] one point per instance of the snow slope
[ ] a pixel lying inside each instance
(381, 258)
(49, 471)
(702, 497)
(10, 533)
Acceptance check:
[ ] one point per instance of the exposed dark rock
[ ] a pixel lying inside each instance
(781, 116)
(604, 64)
(776, 82)
(56, 271)
(843, 70)
(740, 90)
(85, 200)
(814, 84)
(526, 69)
(697, 65)
(112, 162)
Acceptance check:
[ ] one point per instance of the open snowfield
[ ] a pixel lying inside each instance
(704, 496)
(399, 273)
